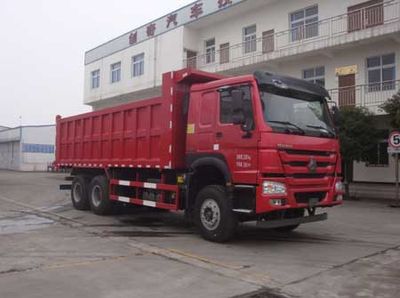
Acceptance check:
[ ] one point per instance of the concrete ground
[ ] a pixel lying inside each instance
(48, 249)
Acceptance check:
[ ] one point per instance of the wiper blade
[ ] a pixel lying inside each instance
(331, 133)
(299, 129)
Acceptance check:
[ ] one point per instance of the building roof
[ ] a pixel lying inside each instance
(3, 128)
(15, 134)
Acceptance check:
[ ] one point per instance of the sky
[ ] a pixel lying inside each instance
(42, 46)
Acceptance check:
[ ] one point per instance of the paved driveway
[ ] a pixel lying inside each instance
(48, 249)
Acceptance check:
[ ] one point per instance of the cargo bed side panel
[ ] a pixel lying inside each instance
(137, 134)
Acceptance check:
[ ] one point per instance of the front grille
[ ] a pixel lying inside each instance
(309, 164)
(305, 197)
(305, 164)
(274, 175)
(298, 176)
(308, 152)
(310, 176)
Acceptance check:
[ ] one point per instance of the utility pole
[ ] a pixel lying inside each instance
(394, 148)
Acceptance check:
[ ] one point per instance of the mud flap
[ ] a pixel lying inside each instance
(65, 187)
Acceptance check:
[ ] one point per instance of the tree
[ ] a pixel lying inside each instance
(392, 107)
(358, 137)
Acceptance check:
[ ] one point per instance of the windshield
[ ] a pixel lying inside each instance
(292, 112)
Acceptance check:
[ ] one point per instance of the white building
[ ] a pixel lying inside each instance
(352, 47)
(27, 148)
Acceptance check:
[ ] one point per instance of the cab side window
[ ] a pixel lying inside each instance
(226, 105)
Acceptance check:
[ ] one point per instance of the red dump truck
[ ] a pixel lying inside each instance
(258, 147)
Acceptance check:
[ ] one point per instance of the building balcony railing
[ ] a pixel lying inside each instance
(349, 27)
(368, 95)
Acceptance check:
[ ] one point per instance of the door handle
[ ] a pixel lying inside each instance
(219, 135)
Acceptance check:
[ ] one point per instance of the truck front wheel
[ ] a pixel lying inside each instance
(213, 214)
(99, 196)
(79, 193)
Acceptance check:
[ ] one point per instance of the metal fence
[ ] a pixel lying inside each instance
(365, 95)
(327, 30)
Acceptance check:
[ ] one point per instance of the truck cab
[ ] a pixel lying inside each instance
(270, 141)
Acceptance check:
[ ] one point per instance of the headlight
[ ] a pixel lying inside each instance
(339, 187)
(274, 188)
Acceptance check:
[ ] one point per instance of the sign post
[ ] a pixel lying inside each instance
(394, 148)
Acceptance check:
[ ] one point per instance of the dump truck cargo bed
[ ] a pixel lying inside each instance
(149, 133)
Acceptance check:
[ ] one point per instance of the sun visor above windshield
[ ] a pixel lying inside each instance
(285, 82)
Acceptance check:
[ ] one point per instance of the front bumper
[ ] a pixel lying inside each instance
(300, 194)
(272, 224)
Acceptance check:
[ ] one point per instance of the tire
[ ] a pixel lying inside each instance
(79, 193)
(99, 196)
(213, 214)
(294, 214)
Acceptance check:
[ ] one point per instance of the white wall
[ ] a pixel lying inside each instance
(39, 134)
(162, 54)
(10, 155)
(8, 135)
(362, 173)
(43, 135)
(11, 148)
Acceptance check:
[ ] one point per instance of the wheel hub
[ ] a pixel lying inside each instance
(77, 192)
(96, 196)
(210, 214)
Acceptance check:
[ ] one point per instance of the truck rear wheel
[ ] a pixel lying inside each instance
(99, 196)
(213, 214)
(79, 193)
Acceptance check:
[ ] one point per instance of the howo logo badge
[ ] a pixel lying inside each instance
(312, 165)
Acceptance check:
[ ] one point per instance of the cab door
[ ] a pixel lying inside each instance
(237, 146)
(201, 123)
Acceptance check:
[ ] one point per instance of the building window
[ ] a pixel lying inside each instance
(138, 65)
(210, 50)
(250, 39)
(224, 55)
(381, 72)
(378, 156)
(365, 15)
(304, 23)
(191, 59)
(95, 79)
(37, 148)
(116, 72)
(268, 42)
(315, 75)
